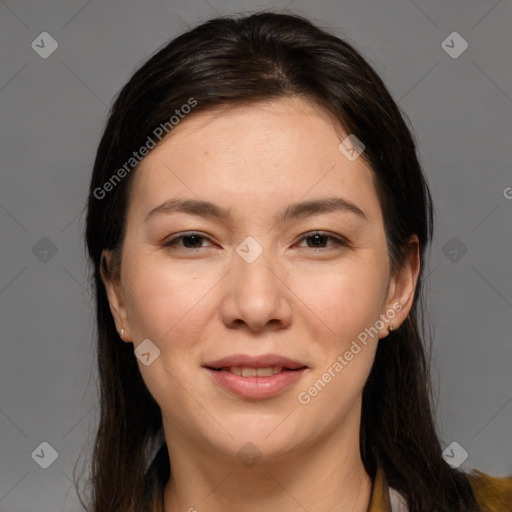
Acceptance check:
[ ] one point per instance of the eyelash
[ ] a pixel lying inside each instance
(171, 244)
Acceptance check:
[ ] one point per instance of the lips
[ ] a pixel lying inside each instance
(255, 377)
(247, 361)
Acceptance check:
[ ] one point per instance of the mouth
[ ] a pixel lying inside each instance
(255, 377)
(265, 365)
(250, 371)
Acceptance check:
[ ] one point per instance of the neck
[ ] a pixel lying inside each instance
(327, 476)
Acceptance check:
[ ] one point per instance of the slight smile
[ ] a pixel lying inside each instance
(256, 377)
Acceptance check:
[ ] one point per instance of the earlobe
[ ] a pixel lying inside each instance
(113, 289)
(402, 289)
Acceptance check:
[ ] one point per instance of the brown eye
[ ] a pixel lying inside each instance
(188, 241)
(317, 240)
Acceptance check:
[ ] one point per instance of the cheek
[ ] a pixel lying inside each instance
(332, 393)
(348, 301)
(168, 307)
(346, 298)
(162, 299)
(349, 306)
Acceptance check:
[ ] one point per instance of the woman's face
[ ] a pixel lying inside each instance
(250, 281)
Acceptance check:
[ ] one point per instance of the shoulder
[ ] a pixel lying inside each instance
(493, 494)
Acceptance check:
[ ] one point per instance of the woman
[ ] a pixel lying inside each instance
(257, 222)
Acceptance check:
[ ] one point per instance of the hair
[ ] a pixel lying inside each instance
(254, 58)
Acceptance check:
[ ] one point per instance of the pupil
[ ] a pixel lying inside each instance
(196, 237)
(316, 238)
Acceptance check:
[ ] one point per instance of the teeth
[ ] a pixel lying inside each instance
(246, 371)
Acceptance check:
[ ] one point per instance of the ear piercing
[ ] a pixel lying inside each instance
(391, 328)
(121, 332)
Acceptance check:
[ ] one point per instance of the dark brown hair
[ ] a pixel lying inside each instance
(245, 59)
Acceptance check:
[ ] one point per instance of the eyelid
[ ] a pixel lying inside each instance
(170, 241)
(338, 239)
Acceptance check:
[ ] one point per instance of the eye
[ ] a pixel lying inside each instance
(314, 240)
(319, 238)
(189, 241)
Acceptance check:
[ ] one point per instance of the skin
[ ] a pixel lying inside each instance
(306, 303)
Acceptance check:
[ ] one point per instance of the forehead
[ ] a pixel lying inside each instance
(265, 154)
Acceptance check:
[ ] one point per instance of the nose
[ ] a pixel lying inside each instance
(256, 296)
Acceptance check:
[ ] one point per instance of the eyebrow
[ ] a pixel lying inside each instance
(294, 210)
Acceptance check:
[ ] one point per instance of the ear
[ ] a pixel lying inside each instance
(112, 282)
(401, 289)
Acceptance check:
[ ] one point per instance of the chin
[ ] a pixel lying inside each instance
(270, 435)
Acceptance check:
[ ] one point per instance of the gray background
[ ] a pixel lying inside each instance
(53, 113)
